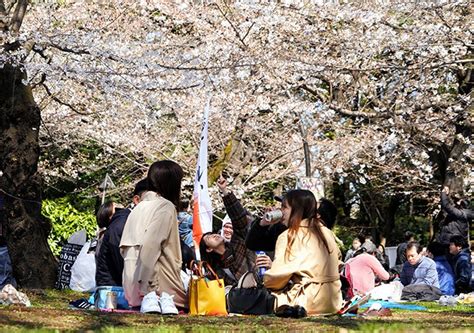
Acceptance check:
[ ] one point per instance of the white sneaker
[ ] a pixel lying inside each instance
(167, 304)
(150, 303)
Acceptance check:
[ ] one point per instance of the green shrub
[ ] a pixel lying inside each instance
(66, 220)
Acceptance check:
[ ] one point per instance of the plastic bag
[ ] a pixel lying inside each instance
(9, 295)
(83, 270)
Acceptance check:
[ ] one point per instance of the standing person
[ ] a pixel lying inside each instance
(231, 259)
(304, 273)
(461, 263)
(458, 218)
(418, 269)
(150, 244)
(109, 261)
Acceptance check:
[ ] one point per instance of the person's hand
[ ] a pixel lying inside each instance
(222, 185)
(263, 261)
(446, 190)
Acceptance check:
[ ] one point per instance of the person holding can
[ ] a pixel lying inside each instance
(304, 275)
(231, 259)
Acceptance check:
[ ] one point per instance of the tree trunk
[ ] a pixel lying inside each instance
(25, 229)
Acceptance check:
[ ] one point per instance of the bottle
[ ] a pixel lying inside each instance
(261, 270)
(111, 300)
(273, 215)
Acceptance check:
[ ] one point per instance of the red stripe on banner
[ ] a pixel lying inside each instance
(197, 229)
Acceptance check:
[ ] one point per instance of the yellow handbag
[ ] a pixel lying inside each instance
(206, 297)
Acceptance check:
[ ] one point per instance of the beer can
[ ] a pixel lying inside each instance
(261, 270)
(273, 215)
(111, 300)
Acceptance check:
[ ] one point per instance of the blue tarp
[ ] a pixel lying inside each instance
(395, 305)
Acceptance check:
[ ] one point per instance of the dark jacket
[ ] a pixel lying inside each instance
(263, 238)
(462, 271)
(109, 261)
(401, 255)
(456, 222)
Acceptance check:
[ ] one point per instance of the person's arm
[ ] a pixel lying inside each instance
(405, 278)
(156, 235)
(237, 214)
(449, 207)
(431, 277)
(377, 268)
(280, 274)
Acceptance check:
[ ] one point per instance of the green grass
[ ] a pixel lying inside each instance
(50, 313)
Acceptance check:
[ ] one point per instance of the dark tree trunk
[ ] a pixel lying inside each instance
(25, 229)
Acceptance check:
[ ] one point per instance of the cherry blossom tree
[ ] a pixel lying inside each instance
(380, 92)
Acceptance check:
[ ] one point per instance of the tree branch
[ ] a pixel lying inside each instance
(18, 15)
(50, 94)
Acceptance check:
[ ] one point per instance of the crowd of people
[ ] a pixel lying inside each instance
(146, 249)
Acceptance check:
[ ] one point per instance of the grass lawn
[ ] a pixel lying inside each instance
(50, 312)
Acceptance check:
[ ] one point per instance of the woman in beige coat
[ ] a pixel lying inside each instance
(150, 242)
(305, 269)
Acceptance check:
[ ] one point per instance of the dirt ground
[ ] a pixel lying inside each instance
(50, 312)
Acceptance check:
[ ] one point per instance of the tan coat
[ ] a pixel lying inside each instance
(313, 272)
(152, 252)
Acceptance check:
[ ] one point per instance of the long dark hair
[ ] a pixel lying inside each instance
(303, 206)
(164, 178)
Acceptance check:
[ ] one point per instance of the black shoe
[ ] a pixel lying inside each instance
(288, 311)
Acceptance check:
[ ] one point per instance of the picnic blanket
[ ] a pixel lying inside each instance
(395, 305)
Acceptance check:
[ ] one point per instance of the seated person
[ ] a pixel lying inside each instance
(383, 257)
(418, 269)
(445, 272)
(150, 243)
(401, 248)
(230, 259)
(355, 246)
(461, 263)
(363, 268)
(227, 229)
(263, 234)
(185, 224)
(305, 271)
(109, 261)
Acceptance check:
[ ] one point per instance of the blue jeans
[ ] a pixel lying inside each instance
(6, 273)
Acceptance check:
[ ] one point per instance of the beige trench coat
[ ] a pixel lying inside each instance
(152, 252)
(310, 276)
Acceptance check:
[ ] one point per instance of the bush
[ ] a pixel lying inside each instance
(66, 220)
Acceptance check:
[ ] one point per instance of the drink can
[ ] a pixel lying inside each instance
(273, 215)
(111, 300)
(261, 270)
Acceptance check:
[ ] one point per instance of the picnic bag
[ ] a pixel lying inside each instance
(67, 257)
(256, 300)
(206, 296)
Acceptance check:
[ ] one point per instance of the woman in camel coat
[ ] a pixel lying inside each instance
(305, 269)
